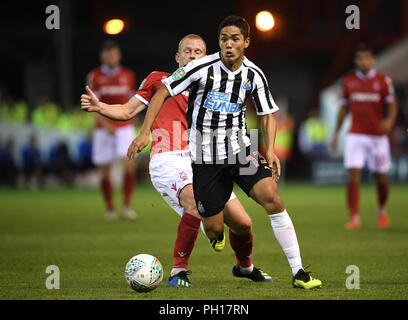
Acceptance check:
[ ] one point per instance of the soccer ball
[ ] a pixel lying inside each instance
(143, 272)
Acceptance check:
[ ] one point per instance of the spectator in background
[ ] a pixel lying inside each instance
(113, 84)
(60, 163)
(313, 136)
(8, 167)
(46, 113)
(31, 163)
(84, 159)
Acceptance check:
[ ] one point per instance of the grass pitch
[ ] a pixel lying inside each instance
(66, 228)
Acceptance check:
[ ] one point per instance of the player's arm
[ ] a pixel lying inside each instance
(389, 121)
(391, 103)
(344, 109)
(117, 112)
(269, 126)
(340, 119)
(142, 140)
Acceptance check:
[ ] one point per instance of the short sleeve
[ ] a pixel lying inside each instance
(262, 98)
(182, 78)
(148, 87)
(389, 94)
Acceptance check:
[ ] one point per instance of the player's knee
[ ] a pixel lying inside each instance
(273, 204)
(245, 227)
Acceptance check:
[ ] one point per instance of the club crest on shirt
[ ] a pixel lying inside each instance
(247, 85)
(178, 74)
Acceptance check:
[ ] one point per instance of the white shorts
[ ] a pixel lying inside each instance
(360, 149)
(170, 172)
(106, 147)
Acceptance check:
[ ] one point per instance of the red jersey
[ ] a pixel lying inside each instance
(366, 96)
(115, 86)
(169, 130)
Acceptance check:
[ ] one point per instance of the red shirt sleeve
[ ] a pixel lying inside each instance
(149, 86)
(389, 92)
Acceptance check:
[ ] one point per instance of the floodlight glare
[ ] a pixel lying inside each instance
(264, 21)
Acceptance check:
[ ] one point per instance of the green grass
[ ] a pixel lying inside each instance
(66, 228)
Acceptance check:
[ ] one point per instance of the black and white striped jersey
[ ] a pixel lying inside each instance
(217, 105)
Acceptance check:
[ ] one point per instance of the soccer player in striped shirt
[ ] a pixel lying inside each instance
(171, 173)
(220, 149)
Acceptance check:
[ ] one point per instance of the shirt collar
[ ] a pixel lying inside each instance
(110, 72)
(371, 74)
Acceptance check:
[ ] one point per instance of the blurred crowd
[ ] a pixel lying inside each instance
(308, 141)
(46, 114)
(57, 162)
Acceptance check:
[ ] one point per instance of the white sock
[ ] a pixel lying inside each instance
(246, 269)
(285, 234)
(174, 271)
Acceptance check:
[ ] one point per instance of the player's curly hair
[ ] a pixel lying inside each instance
(239, 22)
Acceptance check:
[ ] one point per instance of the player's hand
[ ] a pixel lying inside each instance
(274, 164)
(386, 126)
(335, 142)
(89, 101)
(137, 145)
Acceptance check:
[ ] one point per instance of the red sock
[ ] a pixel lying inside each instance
(383, 190)
(353, 195)
(186, 236)
(106, 187)
(128, 183)
(242, 246)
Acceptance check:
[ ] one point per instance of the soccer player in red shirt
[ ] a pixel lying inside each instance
(113, 84)
(171, 172)
(367, 94)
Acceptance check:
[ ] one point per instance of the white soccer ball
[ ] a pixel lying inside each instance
(143, 272)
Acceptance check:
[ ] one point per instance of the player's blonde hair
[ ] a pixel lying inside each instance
(191, 36)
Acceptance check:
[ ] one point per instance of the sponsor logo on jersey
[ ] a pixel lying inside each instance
(178, 74)
(365, 97)
(219, 101)
(113, 90)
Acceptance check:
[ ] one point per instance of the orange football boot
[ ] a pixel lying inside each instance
(382, 221)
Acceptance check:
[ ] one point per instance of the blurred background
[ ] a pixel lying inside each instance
(45, 138)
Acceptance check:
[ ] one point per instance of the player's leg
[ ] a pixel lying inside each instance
(127, 187)
(353, 197)
(355, 155)
(102, 157)
(172, 177)
(259, 185)
(383, 190)
(379, 162)
(241, 241)
(123, 138)
(107, 190)
(187, 232)
(265, 192)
